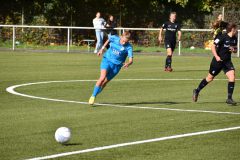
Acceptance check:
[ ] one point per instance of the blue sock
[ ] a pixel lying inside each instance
(99, 90)
(96, 91)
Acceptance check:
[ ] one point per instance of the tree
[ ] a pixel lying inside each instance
(130, 13)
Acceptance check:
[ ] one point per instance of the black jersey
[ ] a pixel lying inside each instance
(223, 42)
(111, 26)
(171, 30)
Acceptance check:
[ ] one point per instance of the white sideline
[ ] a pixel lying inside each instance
(11, 90)
(134, 143)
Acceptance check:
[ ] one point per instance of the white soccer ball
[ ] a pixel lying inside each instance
(192, 47)
(62, 135)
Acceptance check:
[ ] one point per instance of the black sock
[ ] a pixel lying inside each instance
(230, 89)
(202, 84)
(168, 61)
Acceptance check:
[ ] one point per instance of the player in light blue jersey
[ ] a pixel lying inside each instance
(113, 60)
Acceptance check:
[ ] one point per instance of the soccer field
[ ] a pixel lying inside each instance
(143, 114)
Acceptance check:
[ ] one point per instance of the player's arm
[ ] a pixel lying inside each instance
(214, 52)
(130, 62)
(216, 42)
(160, 35)
(233, 49)
(103, 47)
(179, 35)
(179, 32)
(130, 58)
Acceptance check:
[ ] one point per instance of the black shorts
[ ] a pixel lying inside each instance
(216, 67)
(170, 44)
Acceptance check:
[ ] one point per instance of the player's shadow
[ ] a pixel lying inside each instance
(160, 103)
(192, 70)
(142, 51)
(215, 102)
(139, 50)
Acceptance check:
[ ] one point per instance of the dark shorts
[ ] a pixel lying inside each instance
(217, 67)
(170, 44)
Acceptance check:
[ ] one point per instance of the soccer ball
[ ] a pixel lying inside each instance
(62, 135)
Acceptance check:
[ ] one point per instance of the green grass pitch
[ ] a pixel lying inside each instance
(28, 125)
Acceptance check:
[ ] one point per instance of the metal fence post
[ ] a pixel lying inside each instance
(179, 48)
(13, 39)
(238, 46)
(68, 40)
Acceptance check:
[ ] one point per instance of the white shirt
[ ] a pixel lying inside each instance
(98, 23)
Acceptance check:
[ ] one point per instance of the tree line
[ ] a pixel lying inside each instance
(129, 13)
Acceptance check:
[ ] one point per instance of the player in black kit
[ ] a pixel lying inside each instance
(222, 48)
(172, 27)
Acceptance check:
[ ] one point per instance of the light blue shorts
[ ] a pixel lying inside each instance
(112, 69)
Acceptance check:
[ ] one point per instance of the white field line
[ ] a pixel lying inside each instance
(134, 143)
(11, 90)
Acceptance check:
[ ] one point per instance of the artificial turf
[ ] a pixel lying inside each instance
(28, 125)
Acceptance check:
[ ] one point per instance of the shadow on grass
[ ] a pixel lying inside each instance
(192, 70)
(139, 103)
(73, 144)
(171, 103)
(145, 51)
(138, 50)
(222, 102)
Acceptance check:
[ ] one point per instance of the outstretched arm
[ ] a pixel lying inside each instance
(103, 47)
(130, 61)
(130, 58)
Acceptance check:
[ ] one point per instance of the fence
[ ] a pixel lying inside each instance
(193, 40)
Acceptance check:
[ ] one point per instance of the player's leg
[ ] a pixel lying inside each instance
(98, 87)
(104, 83)
(215, 69)
(112, 72)
(170, 46)
(101, 81)
(230, 73)
(201, 85)
(170, 54)
(168, 64)
(105, 70)
(103, 74)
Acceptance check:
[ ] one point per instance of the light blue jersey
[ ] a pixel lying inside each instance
(112, 61)
(117, 53)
